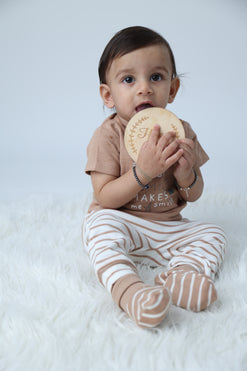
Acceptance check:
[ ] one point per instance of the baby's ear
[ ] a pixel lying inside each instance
(175, 84)
(105, 93)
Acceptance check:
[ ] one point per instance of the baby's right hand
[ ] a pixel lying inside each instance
(159, 153)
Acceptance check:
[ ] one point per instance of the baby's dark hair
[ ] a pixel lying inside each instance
(128, 40)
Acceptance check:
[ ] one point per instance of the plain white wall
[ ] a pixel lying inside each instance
(49, 100)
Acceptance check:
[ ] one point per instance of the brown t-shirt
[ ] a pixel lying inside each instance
(107, 154)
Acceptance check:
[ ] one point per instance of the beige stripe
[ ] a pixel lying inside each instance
(191, 290)
(161, 278)
(113, 225)
(159, 300)
(213, 246)
(157, 251)
(156, 315)
(185, 259)
(138, 314)
(103, 269)
(172, 223)
(209, 294)
(104, 233)
(181, 288)
(98, 242)
(203, 248)
(142, 226)
(195, 251)
(173, 282)
(183, 240)
(116, 271)
(113, 257)
(159, 231)
(194, 296)
(98, 251)
(200, 295)
(157, 262)
(141, 244)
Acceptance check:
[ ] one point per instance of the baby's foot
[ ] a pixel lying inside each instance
(146, 305)
(190, 290)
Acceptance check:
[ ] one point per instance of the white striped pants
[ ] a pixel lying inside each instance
(116, 240)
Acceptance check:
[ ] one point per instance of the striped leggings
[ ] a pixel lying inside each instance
(115, 241)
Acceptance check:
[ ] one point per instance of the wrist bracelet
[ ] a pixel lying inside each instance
(186, 189)
(137, 179)
(142, 172)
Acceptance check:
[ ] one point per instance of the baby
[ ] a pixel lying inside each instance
(135, 215)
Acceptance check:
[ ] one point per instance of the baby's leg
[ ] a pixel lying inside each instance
(197, 255)
(108, 237)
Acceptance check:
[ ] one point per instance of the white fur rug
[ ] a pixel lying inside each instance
(55, 316)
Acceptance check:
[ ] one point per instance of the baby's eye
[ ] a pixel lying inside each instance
(156, 77)
(128, 79)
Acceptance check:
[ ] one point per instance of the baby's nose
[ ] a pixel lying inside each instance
(144, 87)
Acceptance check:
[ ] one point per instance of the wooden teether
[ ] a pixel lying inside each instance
(141, 124)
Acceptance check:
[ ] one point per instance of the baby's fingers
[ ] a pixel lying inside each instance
(189, 154)
(166, 139)
(171, 148)
(170, 161)
(154, 136)
(187, 143)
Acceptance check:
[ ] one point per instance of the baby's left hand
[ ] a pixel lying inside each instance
(183, 169)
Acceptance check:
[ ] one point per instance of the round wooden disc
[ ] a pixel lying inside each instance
(141, 124)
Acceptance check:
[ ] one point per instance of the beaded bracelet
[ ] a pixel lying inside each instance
(186, 189)
(142, 172)
(137, 179)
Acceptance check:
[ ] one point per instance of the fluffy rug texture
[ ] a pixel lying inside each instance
(55, 316)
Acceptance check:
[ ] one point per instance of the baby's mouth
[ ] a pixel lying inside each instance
(143, 106)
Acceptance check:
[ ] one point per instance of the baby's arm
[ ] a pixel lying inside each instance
(156, 156)
(185, 175)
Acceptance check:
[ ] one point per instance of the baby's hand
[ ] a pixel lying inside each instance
(159, 153)
(184, 168)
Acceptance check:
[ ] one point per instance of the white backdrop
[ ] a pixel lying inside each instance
(49, 100)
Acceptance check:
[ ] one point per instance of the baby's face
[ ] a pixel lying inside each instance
(138, 80)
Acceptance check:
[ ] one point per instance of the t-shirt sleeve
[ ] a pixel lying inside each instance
(103, 151)
(201, 155)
